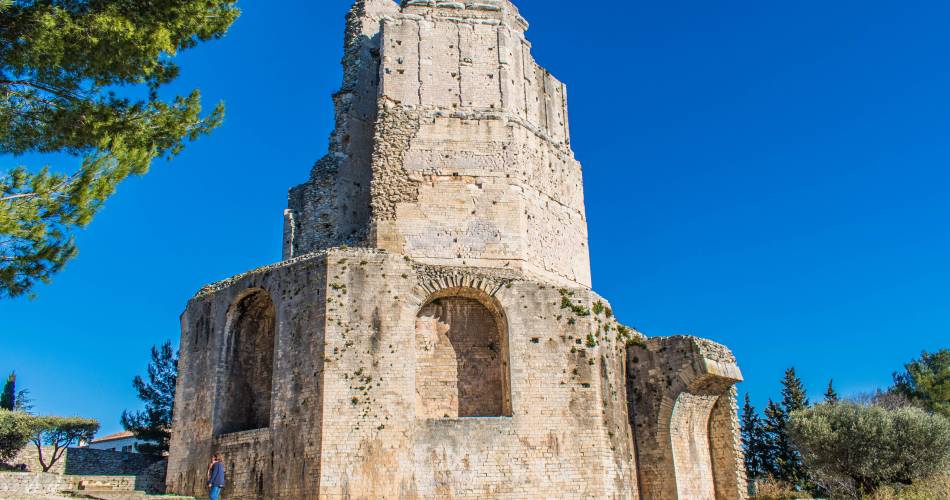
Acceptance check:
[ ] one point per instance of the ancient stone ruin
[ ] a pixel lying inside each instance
(432, 332)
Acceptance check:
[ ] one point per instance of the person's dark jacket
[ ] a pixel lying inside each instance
(217, 475)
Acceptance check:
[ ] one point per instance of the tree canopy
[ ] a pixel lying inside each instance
(13, 400)
(926, 381)
(153, 425)
(852, 450)
(60, 433)
(69, 74)
(16, 429)
(8, 396)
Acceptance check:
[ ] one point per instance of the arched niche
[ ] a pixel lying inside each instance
(248, 364)
(462, 363)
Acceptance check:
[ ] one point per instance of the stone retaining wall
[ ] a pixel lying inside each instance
(87, 461)
(38, 483)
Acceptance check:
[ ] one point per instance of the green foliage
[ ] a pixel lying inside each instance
(158, 393)
(599, 308)
(8, 396)
(591, 341)
(793, 392)
(776, 438)
(12, 400)
(61, 64)
(754, 442)
(781, 459)
(567, 302)
(16, 429)
(926, 381)
(934, 488)
(60, 433)
(852, 450)
(831, 396)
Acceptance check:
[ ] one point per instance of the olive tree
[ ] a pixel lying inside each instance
(852, 450)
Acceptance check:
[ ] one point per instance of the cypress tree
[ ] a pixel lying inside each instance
(8, 397)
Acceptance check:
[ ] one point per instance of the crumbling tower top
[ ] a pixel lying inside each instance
(497, 10)
(451, 147)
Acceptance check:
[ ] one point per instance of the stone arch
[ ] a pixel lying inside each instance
(248, 364)
(462, 361)
(686, 426)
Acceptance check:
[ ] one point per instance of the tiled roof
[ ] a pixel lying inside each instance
(114, 437)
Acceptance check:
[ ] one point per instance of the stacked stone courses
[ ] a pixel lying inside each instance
(434, 330)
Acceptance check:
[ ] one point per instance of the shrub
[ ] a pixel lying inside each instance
(16, 429)
(935, 488)
(773, 489)
(853, 450)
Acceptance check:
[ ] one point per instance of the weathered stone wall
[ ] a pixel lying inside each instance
(38, 485)
(684, 416)
(365, 434)
(29, 457)
(333, 207)
(464, 157)
(492, 179)
(298, 290)
(87, 461)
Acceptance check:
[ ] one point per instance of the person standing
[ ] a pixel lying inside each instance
(216, 476)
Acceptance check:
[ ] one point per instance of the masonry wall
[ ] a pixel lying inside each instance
(29, 457)
(683, 413)
(333, 207)
(485, 174)
(566, 436)
(298, 290)
(39, 485)
(87, 461)
(353, 427)
(451, 146)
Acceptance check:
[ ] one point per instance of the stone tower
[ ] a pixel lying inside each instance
(432, 332)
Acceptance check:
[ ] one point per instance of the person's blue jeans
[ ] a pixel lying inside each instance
(215, 492)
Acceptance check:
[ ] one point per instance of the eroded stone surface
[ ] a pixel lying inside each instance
(431, 332)
(684, 418)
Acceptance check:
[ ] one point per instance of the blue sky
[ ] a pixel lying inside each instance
(771, 175)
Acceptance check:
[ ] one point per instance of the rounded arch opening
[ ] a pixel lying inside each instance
(248, 364)
(462, 361)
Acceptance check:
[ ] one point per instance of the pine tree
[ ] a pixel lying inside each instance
(60, 63)
(753, 442)
(787, 460)
(831, 396)
(793, 393)
(153, 425)
(775, 439)
(8, 397)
